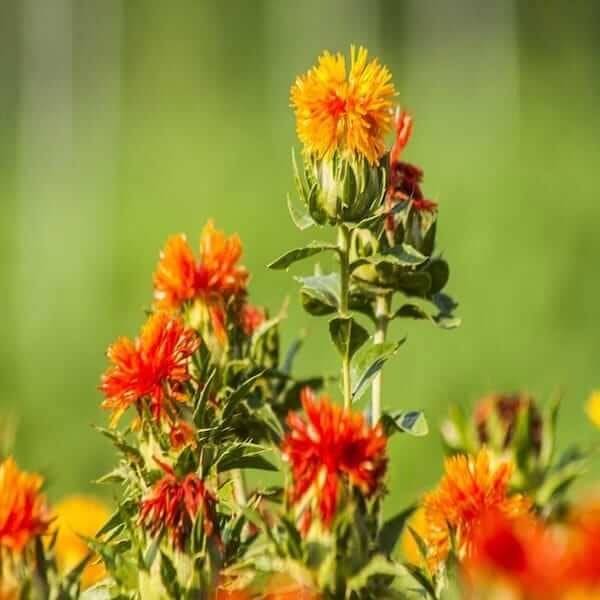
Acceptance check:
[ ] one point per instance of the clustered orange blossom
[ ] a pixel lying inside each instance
(23, 509)
(331, 446)
(154, 366)
(349, 113)
(213, 279)
(470, 488)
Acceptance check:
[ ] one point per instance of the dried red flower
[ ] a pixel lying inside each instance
(23, 510)
(153, 366)
(252, 318)
(174, 504)
(405, 178)
(182, 434)
(332, 446)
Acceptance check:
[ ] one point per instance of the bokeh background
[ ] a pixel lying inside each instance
(124, 122)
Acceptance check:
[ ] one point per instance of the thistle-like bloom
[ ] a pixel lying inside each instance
(23, 510)
(174, 505)
(153, 366)
(216, 276)
(348, 113)
(470, 488)
(331, 447)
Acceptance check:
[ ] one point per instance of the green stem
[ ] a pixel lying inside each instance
(382, 317)
(344, 254)
(239, 487)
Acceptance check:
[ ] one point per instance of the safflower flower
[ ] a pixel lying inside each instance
(153, 366)
(328, 448)
(469, 489)
(349, 113)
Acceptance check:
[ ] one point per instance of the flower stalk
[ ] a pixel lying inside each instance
(382, 318)
(344, 237)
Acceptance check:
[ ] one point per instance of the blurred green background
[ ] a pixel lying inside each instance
(124, 122)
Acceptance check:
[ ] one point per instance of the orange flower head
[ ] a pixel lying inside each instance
(23, 509)
(153, 366)
(330, 447)
(174, 504)
(469, 488)
(345, 112)
(214, 278)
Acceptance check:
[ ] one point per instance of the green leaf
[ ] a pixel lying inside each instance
(378, 565)
(152, 550)
(366, 364)
(412, 311)
(392, 529)
(417, 283)
(297, 254)
(168, 576)
(255, 461)
(302, 220)
(439, 271)
(320, 294)
(239, 394)
(347, 335)
(405, 421)
(202, 400)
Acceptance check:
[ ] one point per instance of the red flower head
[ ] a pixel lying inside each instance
(521, 554)
(582, 570)
(252, 318)
(178, 277)
(174, 504)
(154, 365)
(405, 178)
(330, 447)
(23, 510)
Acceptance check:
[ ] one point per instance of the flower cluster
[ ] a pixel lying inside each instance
(211, 395)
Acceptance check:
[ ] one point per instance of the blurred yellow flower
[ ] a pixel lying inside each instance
(350, 113)
(410, 549)
(592, 408)
(75, 516)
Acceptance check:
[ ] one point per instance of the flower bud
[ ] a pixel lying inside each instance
(345, 190)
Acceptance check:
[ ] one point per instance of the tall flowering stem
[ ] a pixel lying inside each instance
(382, 317)
(344, 237)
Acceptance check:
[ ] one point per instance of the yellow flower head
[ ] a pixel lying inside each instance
(348, 113)
(470, 487)
(77, 516)
(592, 408)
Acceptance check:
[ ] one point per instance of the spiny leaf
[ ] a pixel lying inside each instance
(297, 254)
(302, 220)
